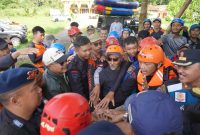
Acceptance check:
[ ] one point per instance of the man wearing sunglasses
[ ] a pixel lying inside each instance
(108, 77)
(55, 81)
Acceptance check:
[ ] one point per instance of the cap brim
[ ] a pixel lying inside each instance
(181, 63)
(62, 59)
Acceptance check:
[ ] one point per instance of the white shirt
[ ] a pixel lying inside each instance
(116, 26)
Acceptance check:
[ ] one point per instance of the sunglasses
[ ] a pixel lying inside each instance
(112, 59)
(97, 43)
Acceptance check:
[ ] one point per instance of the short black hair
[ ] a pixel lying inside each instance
(143, 34)
(104, 28)
(38, 29)
(130, 40)
(81, 41)
(74, 24)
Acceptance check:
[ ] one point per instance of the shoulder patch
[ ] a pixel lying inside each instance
(17, 123)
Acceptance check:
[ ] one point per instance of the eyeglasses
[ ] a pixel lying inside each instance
(97, 43)
(112, 59)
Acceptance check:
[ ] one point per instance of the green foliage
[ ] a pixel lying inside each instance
(28, 7)
(192, 14)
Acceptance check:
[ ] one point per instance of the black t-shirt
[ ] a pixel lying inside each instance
(11, 124)
(107, 78)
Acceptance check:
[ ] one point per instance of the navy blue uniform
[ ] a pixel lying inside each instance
(11, 124)
(77, 75)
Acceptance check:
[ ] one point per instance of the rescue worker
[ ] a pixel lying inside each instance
(147, 24)
(194, 33)
(112, 41)
(188, 66)
(171, 42)
(65, 114)
(78, 67)
(104, 35)
(108, 76)
(125, 34)
(49, 40)
(90, 30)
(38, 37)
(55, 81)
(20, 95)
(96, 60)
(152, 63)
(156, 31)
(8, 58)
(73, 33)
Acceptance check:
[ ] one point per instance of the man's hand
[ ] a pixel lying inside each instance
(114, 115)
(106, 100)
(103, 58)
(94, 96)
(24, 51)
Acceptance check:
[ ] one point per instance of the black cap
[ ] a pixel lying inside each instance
(3, 44)
(188, 57)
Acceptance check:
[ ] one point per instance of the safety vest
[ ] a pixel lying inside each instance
(40, 64)
(156, 80)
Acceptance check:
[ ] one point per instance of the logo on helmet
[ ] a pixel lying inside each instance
(47, 126)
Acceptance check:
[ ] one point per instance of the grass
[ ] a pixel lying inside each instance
(45, 22)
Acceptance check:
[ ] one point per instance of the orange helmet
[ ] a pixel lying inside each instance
(65, 114)
(152, 54)
(111, 41)
(73, 31)
(148, 41)
(114, 49)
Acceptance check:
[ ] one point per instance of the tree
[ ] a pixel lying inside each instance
(192, 14)
(143, 13)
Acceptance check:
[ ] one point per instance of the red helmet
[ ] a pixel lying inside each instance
(73, 31)
(148, 41)
(65, 114)
(111, 41)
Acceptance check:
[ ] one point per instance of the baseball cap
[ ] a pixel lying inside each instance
(13, 79)
(188, 57)
(194, 26)
(94, 37)
(3, 44)
(154, 113)
(52, 55)
(101, 128)
(157, 19)
(90, 27)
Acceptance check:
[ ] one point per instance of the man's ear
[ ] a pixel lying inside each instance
(76, 50)
(14, 100)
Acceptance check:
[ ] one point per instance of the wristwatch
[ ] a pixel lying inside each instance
(125, 117)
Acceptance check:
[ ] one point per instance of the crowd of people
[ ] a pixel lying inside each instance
(106, 83)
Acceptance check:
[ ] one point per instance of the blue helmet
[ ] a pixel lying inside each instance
(178, 20)
(126, 29)
(147, 20)
(194, 26)
(114, 34)
(59, 46)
